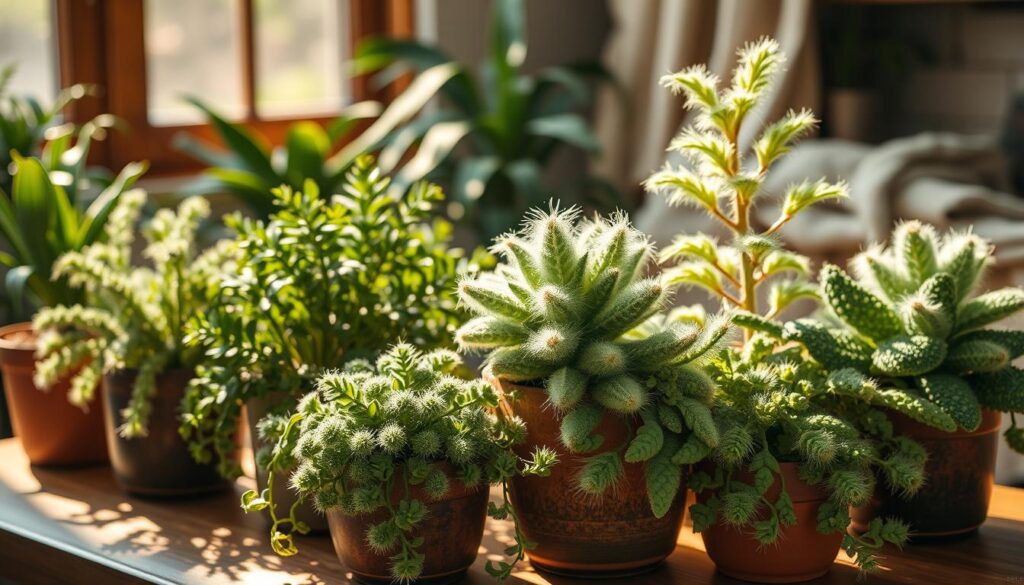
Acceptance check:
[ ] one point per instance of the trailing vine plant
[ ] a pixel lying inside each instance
(559, 313)
(135, 316)
(322, 282)
(371, 434)
(773, 404)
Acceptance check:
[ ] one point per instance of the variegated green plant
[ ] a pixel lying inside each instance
(135, 316)
(556, 314)
(772, 403)
(913, 319)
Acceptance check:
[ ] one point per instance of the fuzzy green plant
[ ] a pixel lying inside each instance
(775, 407)
(718, 180)
(371, 431)
(912, 319)
(556, 313)
(772, 402)
(135, 316)
(320, 283)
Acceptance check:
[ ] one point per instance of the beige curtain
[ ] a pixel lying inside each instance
(654, 37)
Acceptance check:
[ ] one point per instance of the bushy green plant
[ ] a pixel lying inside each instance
(320, 283)
(135, 316)
(775, 407)
(772, 402)
(248, 169)
(506, 124)
(404, 421)
(555, 314)
(913, 320)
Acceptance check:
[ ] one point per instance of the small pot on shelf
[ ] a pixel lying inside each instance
(284, 495)
(614, 535)
(53, 432)
(158, 464)
(801, 554)
(452, 533)
(958, 487)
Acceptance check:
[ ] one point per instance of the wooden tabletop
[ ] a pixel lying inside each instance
(76, 526)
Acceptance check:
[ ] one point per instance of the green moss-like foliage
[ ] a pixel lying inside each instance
(556, 313)
(919, 326)
(404, 421)
(135, 316)
(773, 407)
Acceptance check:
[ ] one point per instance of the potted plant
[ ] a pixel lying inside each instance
(320, 283)
(913, 320)
(626, 414)
(399, 455)
(42, 220)
(131, 335)
(792, 455)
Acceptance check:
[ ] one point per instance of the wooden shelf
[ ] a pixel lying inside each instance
(76, 526)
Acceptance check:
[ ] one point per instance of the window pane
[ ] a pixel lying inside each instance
(192, 49)
(26, 40)
(301, 46)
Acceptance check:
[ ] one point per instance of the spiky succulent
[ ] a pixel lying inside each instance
(774, 406)
(135, 316)
(556, 313)
(913, 320)
(401, 421)
(322, 282)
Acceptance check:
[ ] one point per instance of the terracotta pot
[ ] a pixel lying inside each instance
(451, 533)
(284, 495)
(158, 464)
(801, 553)
(958, 481)
(612, 535)
(52, 430)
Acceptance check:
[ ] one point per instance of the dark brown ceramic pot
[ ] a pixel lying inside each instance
(284, 495)
(158, 464)
(52, 430)
(958, 481)
(608, 536)
(451, 532)
(801, 554)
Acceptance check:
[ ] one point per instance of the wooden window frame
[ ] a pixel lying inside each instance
(100, 40)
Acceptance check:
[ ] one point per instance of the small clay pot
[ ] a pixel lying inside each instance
(801, 553)
(958, 481)
(53, 431)
(613, 535)
(452, 533)
(158, 464)
(284, 495)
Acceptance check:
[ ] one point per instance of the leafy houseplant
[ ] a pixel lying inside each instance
(131, 335)
(320, 283)
(399, 454)
(49, 214)
(251, 171)
(776, 416)
(506, 124)
(913, 320)
(633, 412)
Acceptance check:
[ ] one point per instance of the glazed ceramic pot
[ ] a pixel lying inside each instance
(52, 430)
(613, 535)
(958, 481)
(158, 464)
(452, 533)
(284, 495)
(801, 554)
